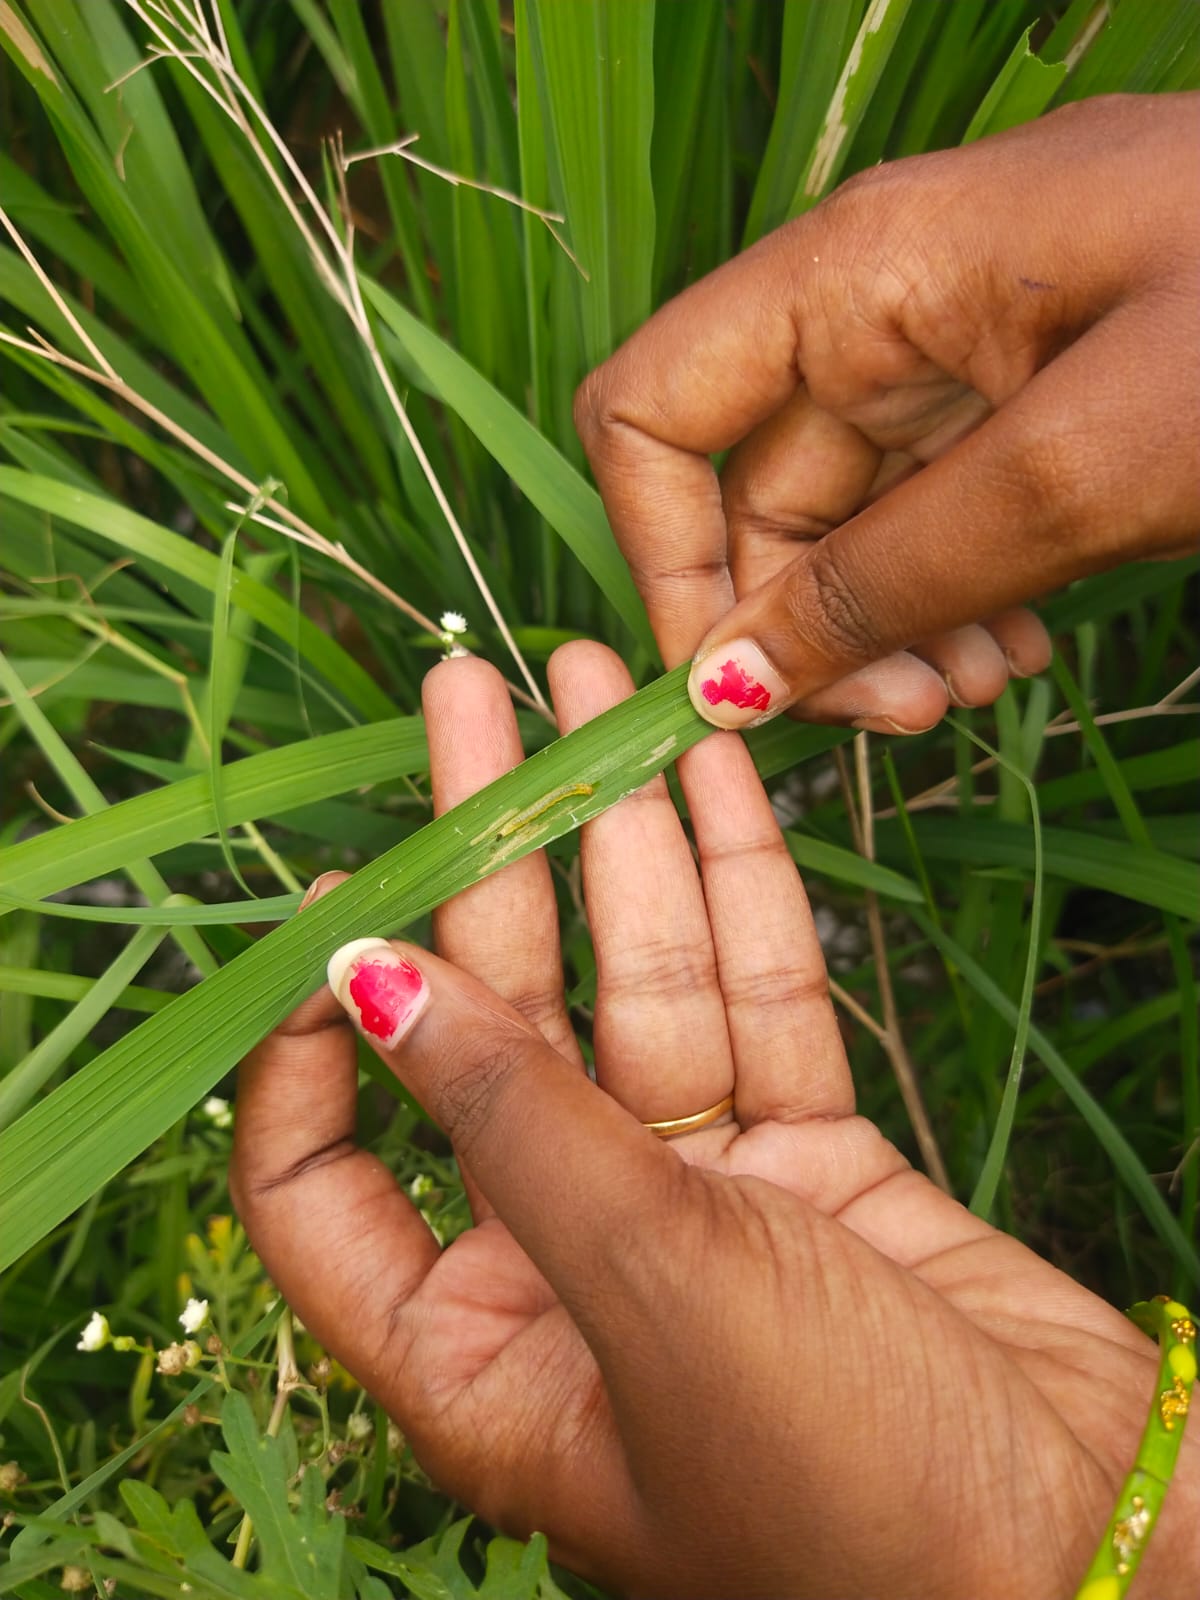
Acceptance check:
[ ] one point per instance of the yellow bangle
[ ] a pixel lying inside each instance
(1139, 1504)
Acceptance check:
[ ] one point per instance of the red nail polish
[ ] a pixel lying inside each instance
(736, 686)
(382, 991)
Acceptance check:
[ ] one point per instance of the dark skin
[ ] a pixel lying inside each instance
(766, 1358)
(964, 380)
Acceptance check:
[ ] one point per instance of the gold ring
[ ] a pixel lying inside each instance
(668, 1130)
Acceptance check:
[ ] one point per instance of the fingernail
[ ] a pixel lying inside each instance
(736, 686)
(315, 890)
(952, 693)
(1015, 670)
(381, 991)
(888, 725)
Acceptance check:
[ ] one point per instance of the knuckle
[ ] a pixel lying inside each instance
(473, 1080)
(829, 609)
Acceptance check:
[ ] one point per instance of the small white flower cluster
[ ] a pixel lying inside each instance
(96, 1335)
(194, 1315)
(219, 1112)
(174, 1359)
(452, 624)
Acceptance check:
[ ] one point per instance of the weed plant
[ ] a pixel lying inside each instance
(293, 301)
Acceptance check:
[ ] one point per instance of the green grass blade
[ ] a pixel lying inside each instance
(1023, 90)
(221, 913)
(687, 86)
(222, 690)
(1153, 877)
(816, 41)
(259, 786)
(142, 874)
(571, 507)
(859, 76)
(18, 1087)
(172, 554)
(845, 866)
(1142, 47)
(595, 63)
(37, 982)
(1118, 1149)
(75, 1139)
(984, 1197)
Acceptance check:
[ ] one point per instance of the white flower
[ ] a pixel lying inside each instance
(421, 1185)
(96, 1335)
(395, 1439)
(452, 622)
(358, 1425)
(219, 1111)
(194, 1315)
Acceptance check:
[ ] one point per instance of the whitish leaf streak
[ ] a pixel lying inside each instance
(564, 792)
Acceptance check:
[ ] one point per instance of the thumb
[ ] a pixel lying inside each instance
(571, 1173)
(1037, 496)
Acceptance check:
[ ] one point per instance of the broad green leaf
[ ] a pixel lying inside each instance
(301, 1547)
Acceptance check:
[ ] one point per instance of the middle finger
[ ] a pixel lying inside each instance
(662, 1046)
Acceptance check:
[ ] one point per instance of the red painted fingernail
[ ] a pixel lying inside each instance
(736, 686)
(381, 991)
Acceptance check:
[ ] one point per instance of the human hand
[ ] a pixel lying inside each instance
(960, 382)
(762, 1359)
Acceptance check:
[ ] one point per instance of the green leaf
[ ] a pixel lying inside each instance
(859, 76)
(258, 786)
(72, 1141)
(168, 552)
(302, 1548)
(847, 866)
(1150, 876)
(1023, 90)
(20, 1085)
(816, 40)
(571, 507)
(595, 62)
(1124, 1158)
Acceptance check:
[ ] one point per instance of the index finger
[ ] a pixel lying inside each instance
(698, 376)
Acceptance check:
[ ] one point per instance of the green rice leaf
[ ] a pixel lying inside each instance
(571, 507)
(71, 1142)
